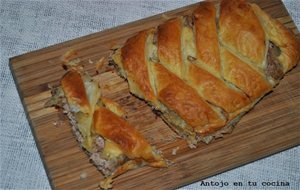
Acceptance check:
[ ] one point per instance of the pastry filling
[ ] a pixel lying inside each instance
(188, 21)
(274, 68)
(105, 155)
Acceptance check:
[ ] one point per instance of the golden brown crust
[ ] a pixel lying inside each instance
(129, 140)
(113, 106)
(75, 93)
(133, 57)
(182, 99)
(281, 37)
(206, 36)
(169, 45)
(241, 30)
(216, 91)
(207, 69)
(243, 76)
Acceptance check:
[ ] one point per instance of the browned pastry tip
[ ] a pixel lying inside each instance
(206, 36)
(169, 45)
(135, 65)
(241, 31)
(75, 91)
(128, 139)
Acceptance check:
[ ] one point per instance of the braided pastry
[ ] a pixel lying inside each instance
(204, 71)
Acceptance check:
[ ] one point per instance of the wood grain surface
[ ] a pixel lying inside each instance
(272, 126)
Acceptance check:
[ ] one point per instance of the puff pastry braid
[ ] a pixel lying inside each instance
(114, 146)
(204, 71)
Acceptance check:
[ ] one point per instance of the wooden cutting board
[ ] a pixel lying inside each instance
(272, 126)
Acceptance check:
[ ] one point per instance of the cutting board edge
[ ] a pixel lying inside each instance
(31, 127)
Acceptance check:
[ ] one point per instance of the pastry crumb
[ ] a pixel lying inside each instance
(165, 16)
(100, 63)
(191, 146)
(83, 175)
(174, 150)
(58, 123)
(170, 163)
(69, 55)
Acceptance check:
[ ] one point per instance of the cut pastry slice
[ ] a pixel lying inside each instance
(204, 71)
(114, 146)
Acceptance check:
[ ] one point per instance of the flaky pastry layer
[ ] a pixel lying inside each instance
(204, 71)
